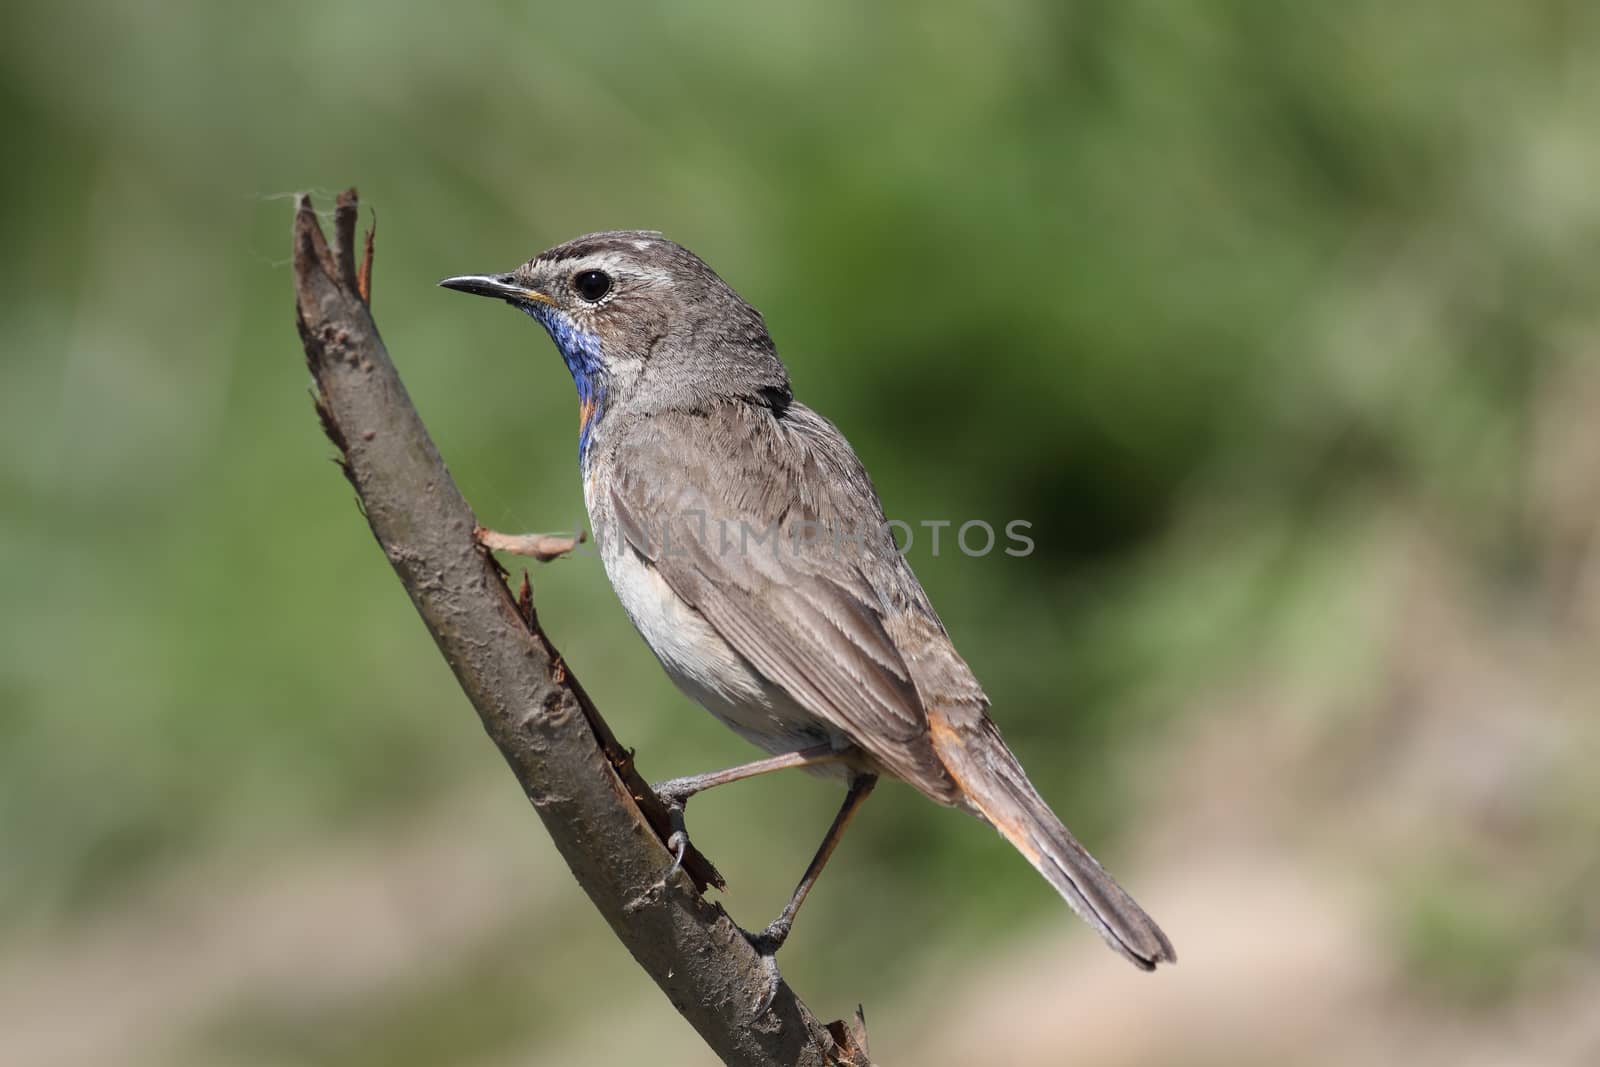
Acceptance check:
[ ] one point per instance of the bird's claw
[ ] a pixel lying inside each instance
(774, 979)
(766, 944)
(678, 840)
(679, 843)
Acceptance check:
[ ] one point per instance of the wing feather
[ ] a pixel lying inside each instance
(809, 612)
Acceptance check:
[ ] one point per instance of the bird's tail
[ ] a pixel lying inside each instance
(994, 783)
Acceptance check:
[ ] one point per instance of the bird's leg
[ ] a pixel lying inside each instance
(679, 790)
(768, 941)
(675, 793)
(540, 546)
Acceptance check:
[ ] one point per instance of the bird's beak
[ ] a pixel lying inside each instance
(501, 286)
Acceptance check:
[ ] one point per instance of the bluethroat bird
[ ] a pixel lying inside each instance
(748, 546)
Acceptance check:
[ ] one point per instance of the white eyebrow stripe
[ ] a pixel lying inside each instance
(620, 264)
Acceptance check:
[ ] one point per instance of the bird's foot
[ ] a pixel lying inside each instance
(678, 840)
(772, 937)
(675, 792)
(766, 944)
(540, 546)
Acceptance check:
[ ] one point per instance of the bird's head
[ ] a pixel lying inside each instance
(641, 322)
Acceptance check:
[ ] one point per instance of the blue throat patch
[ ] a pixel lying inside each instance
(581, 352)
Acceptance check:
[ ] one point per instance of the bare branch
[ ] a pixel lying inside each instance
(604, 819)
(345, 213)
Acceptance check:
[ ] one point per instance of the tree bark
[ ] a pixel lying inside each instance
(604, 819)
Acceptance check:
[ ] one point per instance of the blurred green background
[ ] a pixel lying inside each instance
(1278, 321)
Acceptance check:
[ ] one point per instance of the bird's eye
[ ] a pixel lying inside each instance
(591, 284)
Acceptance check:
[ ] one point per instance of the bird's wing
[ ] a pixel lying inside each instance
(847, 633)
(768, 526)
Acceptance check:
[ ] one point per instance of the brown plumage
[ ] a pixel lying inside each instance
(748, 545)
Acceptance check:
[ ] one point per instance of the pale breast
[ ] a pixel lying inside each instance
(695, 657)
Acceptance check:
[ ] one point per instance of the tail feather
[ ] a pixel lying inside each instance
(994, 783)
